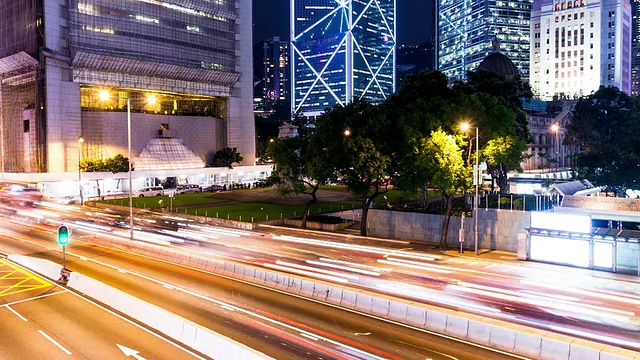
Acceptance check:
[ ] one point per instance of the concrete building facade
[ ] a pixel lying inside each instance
(579, 45)
(183, 67)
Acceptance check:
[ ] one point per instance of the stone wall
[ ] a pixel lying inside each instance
(601, 203)
(497, 230)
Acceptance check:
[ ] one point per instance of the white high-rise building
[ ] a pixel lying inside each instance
(579, 45)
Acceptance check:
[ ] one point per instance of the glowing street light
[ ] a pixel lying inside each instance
(476, 172)
(555, 127)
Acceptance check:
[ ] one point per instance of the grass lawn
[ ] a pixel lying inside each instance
(256, 211)
(156, 202)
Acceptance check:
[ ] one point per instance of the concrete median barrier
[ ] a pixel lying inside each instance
(554, 347)
(503, 338)
(457, 326)
(528, 344)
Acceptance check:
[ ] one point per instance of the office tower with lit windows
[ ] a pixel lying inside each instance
(579, 45)
(273, 73)
(341, 51)
(635, 48)
(467, 27)
(183, 66)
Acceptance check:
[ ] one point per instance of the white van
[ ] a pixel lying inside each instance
(150, 191)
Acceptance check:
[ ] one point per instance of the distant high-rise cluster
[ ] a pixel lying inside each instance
(564, 48)
(578, 45)
(272, 72)
(341, 50)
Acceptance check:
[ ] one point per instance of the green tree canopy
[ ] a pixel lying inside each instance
(440, 153)
(115, 164)
(225, 157)
(605, 126)
(297, 170)
(357, 142)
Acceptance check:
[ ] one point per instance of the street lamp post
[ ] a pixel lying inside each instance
(80, 141)
(130, 175)
(104, 95)
(476, 180)
(556, 127)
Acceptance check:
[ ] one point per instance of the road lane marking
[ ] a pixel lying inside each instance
(163, 338)
(54, 342)
(250, 313)
(15, 280)
(15, 312)
(130, 352)
(34, 298)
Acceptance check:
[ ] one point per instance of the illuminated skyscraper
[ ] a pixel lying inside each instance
(272, 69)
(341, 50)
(467, 27)
(635, 48)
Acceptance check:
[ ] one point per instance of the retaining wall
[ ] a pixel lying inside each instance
(497, 229)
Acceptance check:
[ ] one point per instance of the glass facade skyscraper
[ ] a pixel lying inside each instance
(467, 27)
(341, 50)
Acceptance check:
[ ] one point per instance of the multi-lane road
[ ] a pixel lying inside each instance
(41, 320)
(276, 324)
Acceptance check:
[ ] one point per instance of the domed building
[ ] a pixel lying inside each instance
(497, 62)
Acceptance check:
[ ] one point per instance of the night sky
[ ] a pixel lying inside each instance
(414, 24)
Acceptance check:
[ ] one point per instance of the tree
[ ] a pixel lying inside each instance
(225, 157)
(441, 153)
(500, 100)
(361, 156)
(297, 171)
(503, 154)
(417, 109)
(116, 164)
(605, 126)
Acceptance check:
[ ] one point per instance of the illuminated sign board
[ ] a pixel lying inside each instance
(561, 222)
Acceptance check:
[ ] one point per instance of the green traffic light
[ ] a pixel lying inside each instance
(63, 235)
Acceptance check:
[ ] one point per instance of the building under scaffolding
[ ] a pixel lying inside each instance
(68, 72)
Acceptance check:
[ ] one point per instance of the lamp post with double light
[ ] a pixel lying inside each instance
(80, 141)
(151, 100)
(476, 179)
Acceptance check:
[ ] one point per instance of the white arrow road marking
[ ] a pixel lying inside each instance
(130, 352)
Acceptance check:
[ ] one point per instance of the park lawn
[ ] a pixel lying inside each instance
(156, 202)
(256, 211)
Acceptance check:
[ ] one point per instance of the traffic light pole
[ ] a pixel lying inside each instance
(64, 261)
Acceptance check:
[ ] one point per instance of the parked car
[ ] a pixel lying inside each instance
(211, 188)
(188, 189)
(150, 191)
